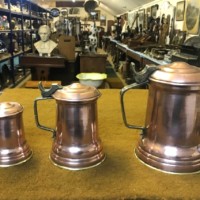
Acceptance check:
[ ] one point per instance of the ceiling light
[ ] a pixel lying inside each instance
(90, 5)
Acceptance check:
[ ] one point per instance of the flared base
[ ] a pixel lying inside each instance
(180, 164)
(14, 157)
(77, 163)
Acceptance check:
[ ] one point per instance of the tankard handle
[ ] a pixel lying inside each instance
(37, 119)
(122, 92)
(46, 94)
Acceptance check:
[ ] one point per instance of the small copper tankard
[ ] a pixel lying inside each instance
(171, 136)
(14, 149)
(76, 143)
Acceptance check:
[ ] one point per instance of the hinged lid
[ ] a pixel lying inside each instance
(76, 92)
(177, 73)
(10, 108)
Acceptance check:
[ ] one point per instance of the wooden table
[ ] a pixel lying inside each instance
(120, 176)
(49, 68)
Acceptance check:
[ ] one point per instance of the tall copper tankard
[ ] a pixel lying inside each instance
(76, 143)
(14, 148)
(170, 139)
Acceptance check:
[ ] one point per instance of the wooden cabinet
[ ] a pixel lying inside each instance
(19, 21)
(93, 63)
(40, 66)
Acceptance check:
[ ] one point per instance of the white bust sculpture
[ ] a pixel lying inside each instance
(45, 45)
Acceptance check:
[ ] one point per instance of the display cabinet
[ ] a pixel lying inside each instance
(125, 58)
(19, 22)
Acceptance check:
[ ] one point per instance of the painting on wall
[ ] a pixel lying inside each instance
(141, 17)
(148, 11)
(94, 15)
(154, 10)
(191, 16)
(102, 20)
(131, 19)
(180, 9)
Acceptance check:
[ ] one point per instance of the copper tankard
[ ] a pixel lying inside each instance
(76, 143)
(170, 139)
(14, 149)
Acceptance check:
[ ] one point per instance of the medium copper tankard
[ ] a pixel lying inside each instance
(76, 143)
(170, 139)
(14, 149)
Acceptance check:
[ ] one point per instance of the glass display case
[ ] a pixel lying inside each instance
(19, 21)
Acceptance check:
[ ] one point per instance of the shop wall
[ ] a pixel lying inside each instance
(103, 17)
(168, 9)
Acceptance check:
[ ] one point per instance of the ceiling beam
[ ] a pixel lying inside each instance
(69, 4)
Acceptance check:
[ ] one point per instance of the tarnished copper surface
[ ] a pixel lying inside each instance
(76, 144)
(177, 73)
(13, 145)
(170, 141)
(171, 136)
(76, 92)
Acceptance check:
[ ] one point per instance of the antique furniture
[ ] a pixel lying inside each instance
(49, 68)
(93, 62)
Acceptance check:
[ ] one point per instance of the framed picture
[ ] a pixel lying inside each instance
(94, 15)
(141, 17)
(191, 16)
(131, 18)
(154, 10)
(125, 17)
(148, 11)
(180, 9)
(103, 20)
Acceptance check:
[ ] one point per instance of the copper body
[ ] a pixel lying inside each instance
(14, 149)
(170, 139)
(76, 144)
